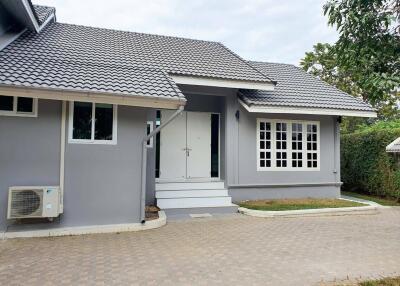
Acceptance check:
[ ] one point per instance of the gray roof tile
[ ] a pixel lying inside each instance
(78, 57)
(98, 78)
(296, 88)
(43, 12)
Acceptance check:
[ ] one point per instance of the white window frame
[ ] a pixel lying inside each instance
(14, 112)
(92, 140)
(150, 142)
(289, 150)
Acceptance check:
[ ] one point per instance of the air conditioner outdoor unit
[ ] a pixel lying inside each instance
(34, 202)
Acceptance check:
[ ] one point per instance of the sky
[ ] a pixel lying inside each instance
(263, 30)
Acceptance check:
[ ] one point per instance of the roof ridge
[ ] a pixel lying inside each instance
(274, 63)
(246, 62)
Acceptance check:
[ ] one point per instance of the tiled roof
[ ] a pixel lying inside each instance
(43, 12)
(394, 147)
(98, 78)
(78, 57)
(296, 88)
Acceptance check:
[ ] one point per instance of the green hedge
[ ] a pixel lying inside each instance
(365, 165)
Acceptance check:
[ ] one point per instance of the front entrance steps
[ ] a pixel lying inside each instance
(194, 197)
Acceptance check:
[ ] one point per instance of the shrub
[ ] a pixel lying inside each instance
(365, 165)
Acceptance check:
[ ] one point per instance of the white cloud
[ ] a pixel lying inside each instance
(269, 30)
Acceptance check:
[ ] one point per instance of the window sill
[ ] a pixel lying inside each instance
(91, 142)
(261, 169)
(21, 114)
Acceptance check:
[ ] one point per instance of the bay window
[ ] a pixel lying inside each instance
(287, 145)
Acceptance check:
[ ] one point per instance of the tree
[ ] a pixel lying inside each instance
(368, 48)
(365, 61)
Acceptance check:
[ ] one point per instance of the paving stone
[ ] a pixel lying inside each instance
(222, 250)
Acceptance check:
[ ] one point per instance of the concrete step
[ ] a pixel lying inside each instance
(184, 213)
(199, 202)
(176, 186)
(192, 193)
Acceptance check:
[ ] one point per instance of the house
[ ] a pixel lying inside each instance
(119, 119)
(394, 147)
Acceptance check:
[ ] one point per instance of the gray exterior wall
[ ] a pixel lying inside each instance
(102, 182)
(245, 182)
(29, 151)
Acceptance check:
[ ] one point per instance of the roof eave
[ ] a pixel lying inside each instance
(89, 96)
(306, 110)
(220, 82)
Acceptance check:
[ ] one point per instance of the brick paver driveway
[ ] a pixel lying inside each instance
(227, 250)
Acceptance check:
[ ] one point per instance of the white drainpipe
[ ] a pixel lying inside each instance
(144, 161)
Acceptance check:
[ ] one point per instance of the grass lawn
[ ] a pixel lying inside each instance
(382, 282)
(381, 201)
(297, 204)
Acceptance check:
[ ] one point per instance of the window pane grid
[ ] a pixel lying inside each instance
(312, 146)
(297, 145)
(287, 145)
(281, 145)
(265, 144)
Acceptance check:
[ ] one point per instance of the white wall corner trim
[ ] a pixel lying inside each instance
(304, 110)
(217, 82)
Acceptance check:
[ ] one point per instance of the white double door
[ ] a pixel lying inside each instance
(185, 146)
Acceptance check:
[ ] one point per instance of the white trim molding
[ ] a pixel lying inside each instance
(288, 152)
(217, 82)
(17, 113)
(389, 148)
(111, 98)
(92, 140)
(31, 15)
(304, 110)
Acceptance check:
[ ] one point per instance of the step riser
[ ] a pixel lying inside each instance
(191, 194)
(189, 186)
(194, 202)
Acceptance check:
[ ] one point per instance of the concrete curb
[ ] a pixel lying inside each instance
(95, 229)
(311, 212)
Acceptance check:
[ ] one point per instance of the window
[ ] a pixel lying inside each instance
(287, 145)
(297, 145)
(150, 126)
(18, 106)
(312, 156)
(92, 123)
(265, 149)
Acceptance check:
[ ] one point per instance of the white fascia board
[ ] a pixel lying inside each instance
(303, 110)
(48, 20)
(118, 99)
(31, 15)
(390, 146)
(229, 83)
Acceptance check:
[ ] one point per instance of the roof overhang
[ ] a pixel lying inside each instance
(111, 98)
(306, 110)
(391, 149)
(217, 82)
